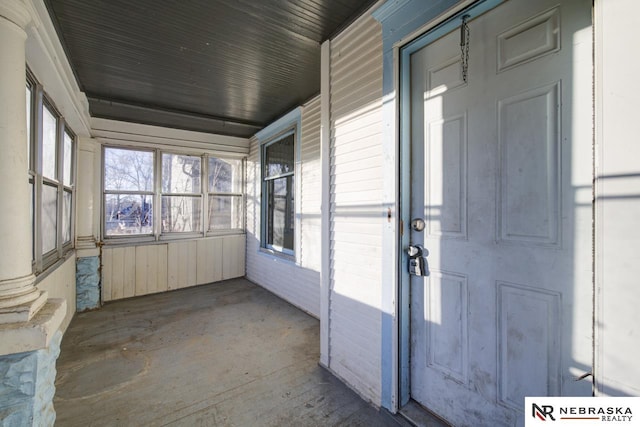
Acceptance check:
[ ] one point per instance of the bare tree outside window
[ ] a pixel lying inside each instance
(188, 187)
(181, 193)
(128, 184)
(225, 194)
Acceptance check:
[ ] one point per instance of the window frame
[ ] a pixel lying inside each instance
(265, 179)
(31, 175)
(157, 193)
(39, 100)
(291, 121)
(68, 188)
(210, 194)
(199, 195)
(142, 237)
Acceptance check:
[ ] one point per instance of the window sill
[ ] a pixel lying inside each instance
(122, 242)
(291, 258)
(128, 241)
(229, 232)
(69, 252)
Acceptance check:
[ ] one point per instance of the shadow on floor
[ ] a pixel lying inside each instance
(225, 354)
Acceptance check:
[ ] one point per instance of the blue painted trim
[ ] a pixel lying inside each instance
(445, 27)
(290, 123)
(385, 11)
(293, 117)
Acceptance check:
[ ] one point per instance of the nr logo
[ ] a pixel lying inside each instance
(542, 412)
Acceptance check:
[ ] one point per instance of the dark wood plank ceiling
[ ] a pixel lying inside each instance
(222, 66)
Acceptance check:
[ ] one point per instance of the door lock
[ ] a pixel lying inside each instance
(414, 251)
(417, 224)
(416, 260)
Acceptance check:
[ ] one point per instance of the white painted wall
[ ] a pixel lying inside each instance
(356, 194)
(297, 282)
(617, 197)
(143, 269)
(61, 283)
(114, 132)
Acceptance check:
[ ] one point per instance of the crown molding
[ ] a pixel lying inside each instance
(48, 60)
(15, 11)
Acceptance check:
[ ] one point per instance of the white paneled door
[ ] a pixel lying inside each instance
(501, 174)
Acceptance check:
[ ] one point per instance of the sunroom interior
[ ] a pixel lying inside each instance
(151, 147)
(152, 176)
(157, 139)
(172, 121)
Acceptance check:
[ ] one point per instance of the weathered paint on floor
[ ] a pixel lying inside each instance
(227, 354)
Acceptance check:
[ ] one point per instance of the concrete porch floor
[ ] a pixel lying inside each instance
(225, 354)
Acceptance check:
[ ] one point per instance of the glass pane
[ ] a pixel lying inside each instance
(49, 217)
(66, 217)
(68, 154)
(128, 214)
(128, 170)
(29, 126)
(180, 174)
(49, 132)
(225, 212)
(33, 238)
(181, 214)
(225, 176)
(281, 214)
(279, 157)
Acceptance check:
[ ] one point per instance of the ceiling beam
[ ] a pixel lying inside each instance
(116, 109)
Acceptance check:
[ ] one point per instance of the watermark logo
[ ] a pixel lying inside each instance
(542, 412)
(582, 411)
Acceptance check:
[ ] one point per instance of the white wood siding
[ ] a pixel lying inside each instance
(618, 201)
(310, 186)
(298, 284)
(356, 166)
(147, 269)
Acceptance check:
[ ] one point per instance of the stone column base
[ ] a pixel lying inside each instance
(35, 334)
(87, 283)
(28, 386)
(28, 354)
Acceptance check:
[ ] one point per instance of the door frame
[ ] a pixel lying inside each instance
(426, 35)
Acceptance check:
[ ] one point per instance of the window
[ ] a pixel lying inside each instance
(226, 205)
(67, 189)
(128, 192)
(278, 189)
(29, 99)
(50, 149)
(182, 194)
(279, 165)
